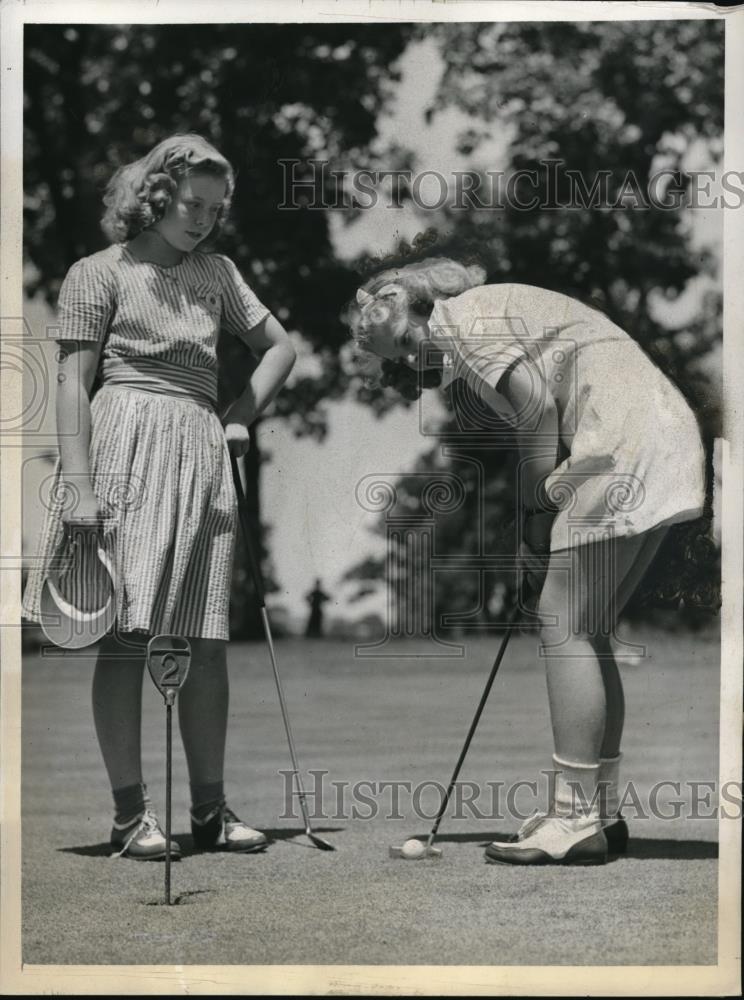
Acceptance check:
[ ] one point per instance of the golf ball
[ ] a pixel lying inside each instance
(412, 849)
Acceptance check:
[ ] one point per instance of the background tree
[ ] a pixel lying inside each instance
(609, 96)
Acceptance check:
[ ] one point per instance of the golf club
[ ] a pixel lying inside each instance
(168, 659)
(243, 516)
(414, 849)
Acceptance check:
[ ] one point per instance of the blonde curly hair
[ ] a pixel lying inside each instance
(139, 193)
(388, 298)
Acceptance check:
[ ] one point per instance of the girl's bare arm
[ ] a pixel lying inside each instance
(75, 377)
(270, 342)
(536, 428)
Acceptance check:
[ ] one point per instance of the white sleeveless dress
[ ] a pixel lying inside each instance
(632, 455)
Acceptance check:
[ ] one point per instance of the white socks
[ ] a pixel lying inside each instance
(585, 790)
(575, 789)
(608, 781)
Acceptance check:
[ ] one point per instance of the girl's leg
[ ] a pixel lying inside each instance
(202, 714)
(117, 709)
(614, 696)
(610, 760)
(586, 699)
(584, 689)
(608, 776)
(610, 674)
(578, 605)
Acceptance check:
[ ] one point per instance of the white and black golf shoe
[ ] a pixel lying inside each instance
(221, 830)
(553, 840)
(142, 839)
(615, 830)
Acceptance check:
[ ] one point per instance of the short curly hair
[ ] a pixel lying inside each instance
(139, 193)
(425, 281)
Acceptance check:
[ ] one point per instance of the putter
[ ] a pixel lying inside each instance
(168, 659)
(409, 850)
(321, 844)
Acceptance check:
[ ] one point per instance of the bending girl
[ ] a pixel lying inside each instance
(610, 456)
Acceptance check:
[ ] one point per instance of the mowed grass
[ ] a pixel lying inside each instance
(392, 719)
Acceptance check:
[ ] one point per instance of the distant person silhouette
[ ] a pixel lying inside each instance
(316, 598)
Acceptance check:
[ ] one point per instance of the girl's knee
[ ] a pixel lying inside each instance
(571, 615)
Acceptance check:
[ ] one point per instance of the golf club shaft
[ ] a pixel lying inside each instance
(474, 723)
(258, 584)
(285, 717)
(245, 526)
(168, 747)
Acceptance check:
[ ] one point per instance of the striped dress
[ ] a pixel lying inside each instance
(159, 459)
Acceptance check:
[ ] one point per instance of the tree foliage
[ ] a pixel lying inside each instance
(627, 98)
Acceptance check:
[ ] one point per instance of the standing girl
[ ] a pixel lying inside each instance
(610, 456)
(148, 455)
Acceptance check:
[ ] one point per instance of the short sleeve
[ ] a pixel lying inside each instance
(487, 341)
(86, 301)
(241, 308)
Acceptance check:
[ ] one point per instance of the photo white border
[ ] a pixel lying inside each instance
(721, 979)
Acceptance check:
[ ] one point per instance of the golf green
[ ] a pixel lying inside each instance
(359, 723)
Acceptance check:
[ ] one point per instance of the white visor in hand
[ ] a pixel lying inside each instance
(78, 598)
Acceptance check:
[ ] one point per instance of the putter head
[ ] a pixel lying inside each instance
(168, 659)
(321, 844)
(428, 852)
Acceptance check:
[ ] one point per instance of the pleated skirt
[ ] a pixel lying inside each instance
(160, 469)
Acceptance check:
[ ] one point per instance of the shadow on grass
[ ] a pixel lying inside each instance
(482, 839)
(186, 842)
(639, 848)
(289, 834)
(672, 850)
